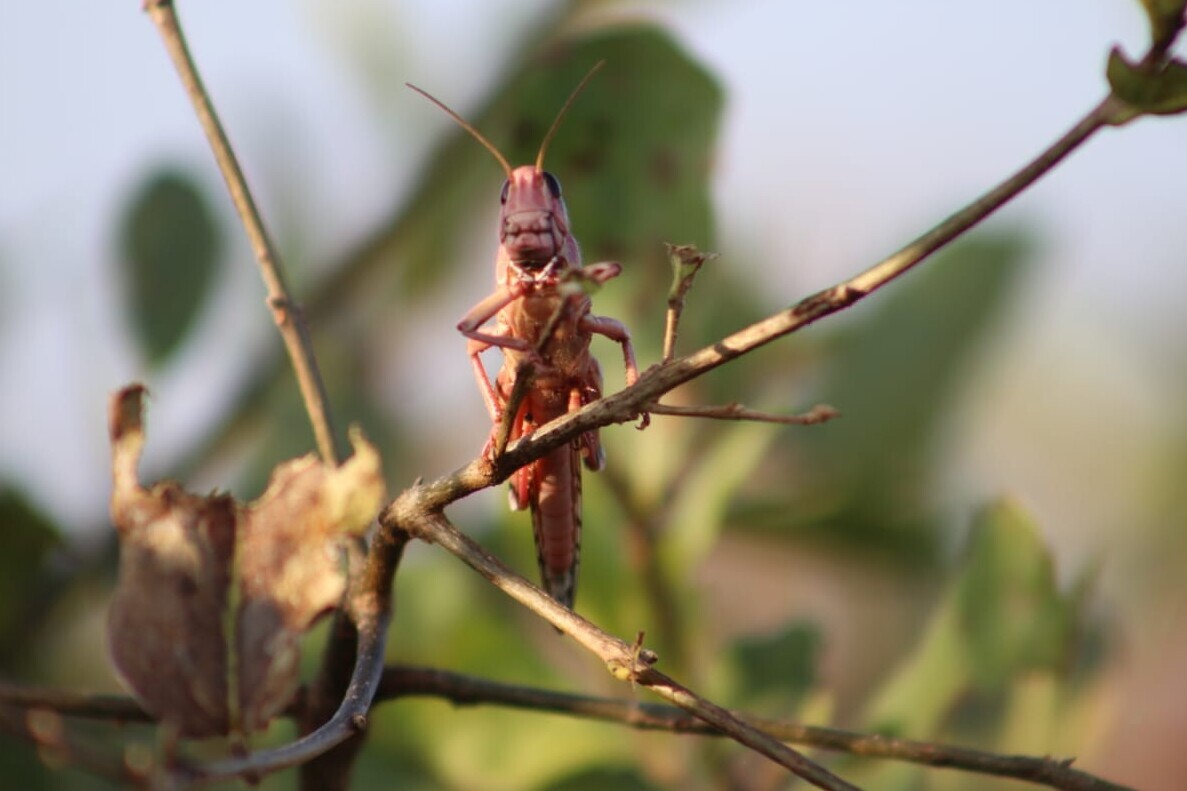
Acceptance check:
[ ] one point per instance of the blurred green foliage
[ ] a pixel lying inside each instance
(780, 666)
(633, 153)
(1013, 617)
(29, 537)
(894, 377)
(169, 254)
(634, 156)
(1000, 628)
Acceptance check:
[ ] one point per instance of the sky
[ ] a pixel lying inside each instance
(845, 135)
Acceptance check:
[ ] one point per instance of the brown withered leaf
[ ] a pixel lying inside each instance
(165, 625)
(291, 570)
(209, 587)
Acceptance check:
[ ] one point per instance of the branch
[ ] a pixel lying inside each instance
(286, 313)
(119, 708)
(627, 404)
(370, 596)
(43, 727)
(402, 681)
(624, 661)
(369, 605)
(351, 718)
(406, 681)
(734, 411)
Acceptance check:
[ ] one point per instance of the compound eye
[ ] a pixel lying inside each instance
(506, 191)
(554, 186)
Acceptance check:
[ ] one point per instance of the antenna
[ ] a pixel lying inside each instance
(464, 124)
(557, 122)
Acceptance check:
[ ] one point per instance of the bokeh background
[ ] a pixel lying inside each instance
(986, 548)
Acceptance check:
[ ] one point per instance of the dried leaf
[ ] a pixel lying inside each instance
(213, 596)
(291, 568)
(165, 625)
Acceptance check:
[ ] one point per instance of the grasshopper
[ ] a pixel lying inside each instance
(539, 315)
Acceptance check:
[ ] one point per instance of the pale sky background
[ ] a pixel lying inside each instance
(830, 158)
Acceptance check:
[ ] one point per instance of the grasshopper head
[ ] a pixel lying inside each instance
(534, 223)
(533, 220)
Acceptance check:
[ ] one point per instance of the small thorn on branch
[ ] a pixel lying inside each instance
(286, 311)
(641, 656)
(638, 661)
(734, 411)
(686, 260)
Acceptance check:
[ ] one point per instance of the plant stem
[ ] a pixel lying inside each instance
(624, 406)
(286, 313)
(624, 661)
(404, 681)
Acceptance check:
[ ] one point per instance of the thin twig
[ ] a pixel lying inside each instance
(118, 708)
(285, 311)
(370, 599)
(912, 254)
(686, 262)
(405, 681)
(623, 660)
(735, 411)
(43, 727)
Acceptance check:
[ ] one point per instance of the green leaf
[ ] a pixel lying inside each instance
(780, 666)
(633, 156)
(29, 535)
(169, 253)
(1000, 620)
(896, 373)
(914, 699)
(1160, 92)
(1012, 615)
(634, 151)
(602, 778)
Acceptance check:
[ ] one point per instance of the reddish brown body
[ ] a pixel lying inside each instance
(537, 254)
(538, 313)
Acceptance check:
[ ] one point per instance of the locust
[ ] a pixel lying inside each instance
(539, 317)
